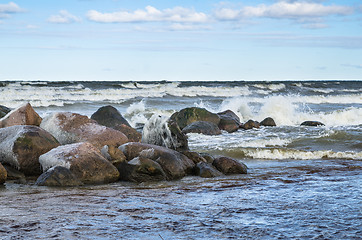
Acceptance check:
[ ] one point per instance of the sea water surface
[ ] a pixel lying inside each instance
(303, 182)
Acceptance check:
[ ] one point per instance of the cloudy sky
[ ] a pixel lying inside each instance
(180, 40)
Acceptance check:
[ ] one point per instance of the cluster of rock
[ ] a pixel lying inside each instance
(69, 149)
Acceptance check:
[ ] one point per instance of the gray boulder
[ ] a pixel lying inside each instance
(58, 177)
(207, 128)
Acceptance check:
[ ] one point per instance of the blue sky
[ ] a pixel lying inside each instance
(180, 40)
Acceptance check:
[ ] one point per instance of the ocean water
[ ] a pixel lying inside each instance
(303, 182)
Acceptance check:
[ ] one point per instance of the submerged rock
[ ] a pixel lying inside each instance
(3, 174)
(174, 164)
(206, 170)
(229, 121)
(229, 166)
(312, 123)
(14, 174)
(109, 116)
(268, 122)
(21, 146)
(70, 128)
(207, 128)
(189, 115)
(23, 115)
(58, 177)
(83, 160)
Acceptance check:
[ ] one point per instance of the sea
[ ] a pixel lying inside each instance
(302, 182)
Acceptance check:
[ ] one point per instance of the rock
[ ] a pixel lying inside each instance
(24, 115)
(83, 160)
(194, 156)
(229, 121)
(21, 146)
(132, 134)
(70, 128)
(268, 122)
(207, 157)
(4, 110)
(206, 170)
(312, 123)
(58, 177)
(113, 154)
(173, 163)
(229, 166)
(141, 169)
(162, 131)
(251, 124)
(14, 174)
(207, 128)
(3, 174)
(109, 116)
(189, 115)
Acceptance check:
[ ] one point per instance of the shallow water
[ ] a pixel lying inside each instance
(289, 199)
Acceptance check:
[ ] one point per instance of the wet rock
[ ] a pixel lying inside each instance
(268, 122)
(113, 154)
(207, 128)
(109, 116)
(141, 169)
(14, 174)
(194, 156)
(24, 115)
(229, 166)
(207, 157)
(58, 177)
(3, 174)
(132, 134)
(174, 164)
(21, 146)
(189, 115)
(83, 160)
(312, 123)
(206, 170)
(251, 124)
(229, 121)
(4, 110)
(162, 131)
(70, 128)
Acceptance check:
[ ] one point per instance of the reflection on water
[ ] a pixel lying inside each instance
(319, 199)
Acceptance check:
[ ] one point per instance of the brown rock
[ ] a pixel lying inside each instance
(113, 154)
(3, 174)
(268, 122)
(83, 160)
(21, 146)
(206, 170)
(189, 115)
(194, 156)
(58, 177)
(229, 121)
(131, 133)
(70, 128)
(24, 115)
(251, 124)
(229, 166)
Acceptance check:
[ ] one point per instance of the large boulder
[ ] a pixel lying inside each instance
(132, 134)
(23, 115)
(207, 128)
(58, 177)
(189, 115)
(229, 121)
(83, 160)
(109, 116)
(268, 122)
(3, 174)
(141, 169)
(312, 123)
(250, 124)
(229, 166)
(174, 164)
(70, 128)
(4, 110)
(163, 131)
(206, 170)
(21, 146)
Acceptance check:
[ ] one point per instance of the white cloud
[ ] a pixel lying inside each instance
(188, 27)
(149, 14)
(9, 8)
(63, 17)
(284, 9)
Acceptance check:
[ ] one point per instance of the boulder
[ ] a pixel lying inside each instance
(141, 169)
(268, 122)
(4, 110)
(70, 128)
(113, 154)
(194, 156)
(132, 134)
(229, 166)
(174, 164)
(162, 131)
(229, 121)
(251, 124)
(58, 177)
(3, 174)
(207, 128)
(189, 115)
(21, 146)
(206, 170)
(14, 174)
(312, 123)
(109, 116)
(83, 160)
(207, 157)
(23, 115)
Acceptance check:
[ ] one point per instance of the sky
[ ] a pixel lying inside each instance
(180, 40)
